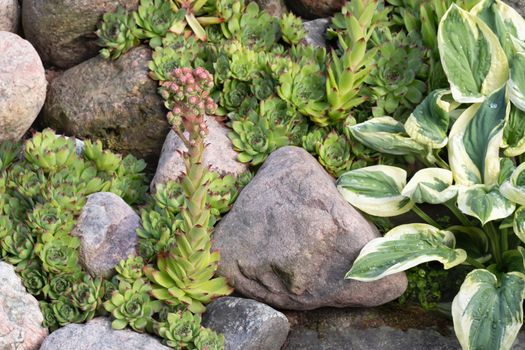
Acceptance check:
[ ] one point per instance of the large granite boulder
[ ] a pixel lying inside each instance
(63, 31)
(218, 155)
(9, 15)
(107, 229)
(291, 237)
(114, 101)
(20, 317)
(97, 334)
(247, 324)
(22, 86)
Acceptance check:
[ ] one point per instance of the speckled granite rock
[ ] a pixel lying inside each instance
(9, 15)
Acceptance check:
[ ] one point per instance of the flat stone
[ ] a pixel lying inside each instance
(107, 229)
(20, 317)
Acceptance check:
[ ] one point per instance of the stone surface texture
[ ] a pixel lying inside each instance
(316, 31)
(107, 229)
(311, 9)
(218, 155)
(114, 101)
(22, 86)
(275, 8)
(63, 31)
(247, 324)
(20, 317)
(9, 15)
(291, 237)
(97, 334)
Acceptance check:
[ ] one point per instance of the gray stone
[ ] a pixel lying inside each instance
(312, 9)
(9, 15)
(114, 101)
(22, 86)
(218, 155)
(107, 229)
(247, 324)
(519, 5)
(63, 31)
(290, 238)
(275, 8)
(316, 31)
(97, 334)
(20, 317)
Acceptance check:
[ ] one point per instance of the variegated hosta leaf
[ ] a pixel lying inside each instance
(429, 122)
(404, 247)
(519, 223)
(514, 188)
(430, 185)
(504, 21)
(472, 57)
(376, 190)
(517, 80)
(488, 313)
(386, 135)
(484, 203)
(514, 132)
(474, 141)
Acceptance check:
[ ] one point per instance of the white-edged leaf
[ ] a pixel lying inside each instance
(471, 55)
(517, 80)
(475, 139)
(376, 190)
(484, 203)
(429, 122)
(518, 224)
(514, 188)
(514, 133)
(430, 185)
(488, 313)
(386, 135)
(404, 247)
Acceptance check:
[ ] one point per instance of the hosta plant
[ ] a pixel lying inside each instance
(481, 183)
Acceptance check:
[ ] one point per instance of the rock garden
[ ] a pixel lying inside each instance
(262, 175)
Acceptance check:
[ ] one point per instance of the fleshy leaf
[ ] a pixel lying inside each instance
(471, 55)
(429, 122)
(404, 247)
(386, 135)
(484, 203)
(514, 133)
(519, 223)
(514, 188)
(517, 80)
(376, 190)
(488, 313)
(475, 139)
(430, 185)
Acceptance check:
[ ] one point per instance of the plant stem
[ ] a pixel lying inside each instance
(425, 217)
(458, 214)
(474, 262)
(495, 241)
(441, 162)
(504, 240)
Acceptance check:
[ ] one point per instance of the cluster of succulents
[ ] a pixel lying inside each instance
(43, 186)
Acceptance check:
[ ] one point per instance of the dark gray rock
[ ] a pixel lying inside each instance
(9, 15)
(218, 155)
(114, 101)
(291, 237)
(22, 85)
(97, 334)
(107, 229)
(316, 31)
(63, 31)
(20, 317)
(247, 324)
(312, 9)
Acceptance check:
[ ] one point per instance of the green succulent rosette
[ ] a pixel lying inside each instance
(234, 93)
(209, 340)
(117, 34)
(335, 154)
(180, 329)
(154, 17)
(65, 313)
(33, 278)
(60, 285)
(292, 29)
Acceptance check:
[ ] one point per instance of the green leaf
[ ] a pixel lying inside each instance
(518, 223)
(404, 247)
(474, 141)
(488, 313)
(119, 324)
(514, 188)
(484, 203)
(514, 133)
(376, 190)
(386, 135)
(472, 57)
(429, 122)
(517, 80)
(430, 185)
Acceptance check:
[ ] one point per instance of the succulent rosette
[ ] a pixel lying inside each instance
(154, 17)
(180, 329)
(335, 154)
(292, 29)
(209, 340)
(234, 93)
(117, 34)
(130, 270)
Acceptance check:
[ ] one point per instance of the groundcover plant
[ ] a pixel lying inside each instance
(479, 121)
